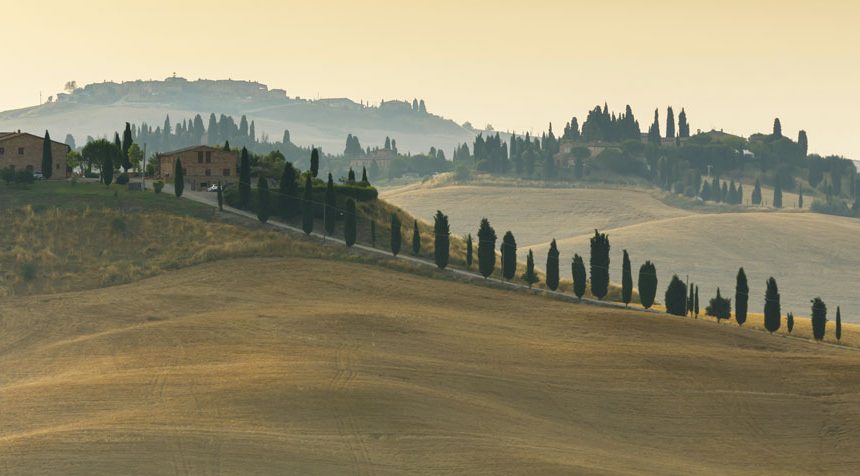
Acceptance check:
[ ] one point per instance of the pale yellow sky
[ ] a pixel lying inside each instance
(515, 64)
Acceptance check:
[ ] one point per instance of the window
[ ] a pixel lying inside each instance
(226, 172)
(20, 151)
(208, 172)
(208, 157)
(2, 151)
(58, 166)
(200, 157)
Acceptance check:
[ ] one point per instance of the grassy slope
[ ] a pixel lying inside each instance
(301, 365)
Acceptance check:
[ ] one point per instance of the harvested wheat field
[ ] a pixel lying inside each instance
(302, 366)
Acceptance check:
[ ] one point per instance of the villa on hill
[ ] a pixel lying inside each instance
(203, 165)
(23, 151)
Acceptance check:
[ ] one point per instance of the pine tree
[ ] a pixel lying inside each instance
(47, 157)
(579, 276)
(777, 193)
(777, 129)
(742, 291)
(442, 239)
(626, 280)
(416, 239)
(469, 251)
(599, 265)
(396, 237)
(771, 307)
(838, 324)
(349, 225)
(530, 277)
(509, 256)
(647, 284)
(308, 207)
(288, 191)
(244, 180)
(789, 322)
(756, 195)
(126, 145)
(330, 207)
(315, 162)
(819, 319)
(552, 266)
(486, 248)
(670, 123)
(263, 199)
(220, 197)
(178, 178)
(676, 297)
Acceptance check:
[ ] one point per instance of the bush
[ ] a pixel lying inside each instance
(28, 270)
(24, 177)
(8, 175)
(122, 179)
(462, 173)
(157, 186)
(719, 307)
(118, 225)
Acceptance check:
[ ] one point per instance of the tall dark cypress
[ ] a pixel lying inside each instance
(777, 193)
(579, 276)
(330, 206)
(486, 248)
(263, 199)
(838, 324)
(819, 319)
(552, 266)
(441, 239)
(349, 223)
(691, 299)
(530, 277)
(626, 280)
(509, 256)
(742, 295)
(126, 145)
(308, 206)
(47, 157)
(789, 322)
(107, 169)
(469, 250)
(676, 297)
(315, 162)
(396, 236)
(599, 265)
(756, 194)
(777, 129)
(670, 123)
(800, 198)
(416, 239)
(696, 305)
(647, 284)
(244, 180)
(772, 316)
(288, 191)
(178, 178)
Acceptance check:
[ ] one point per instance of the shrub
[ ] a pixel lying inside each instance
(157, 186)
(24, 177)
(27, 270)
(122, 179)
(719, 307)
(118, 225)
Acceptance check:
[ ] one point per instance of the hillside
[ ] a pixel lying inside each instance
(100, 109)
(315, 366)
(788, 245)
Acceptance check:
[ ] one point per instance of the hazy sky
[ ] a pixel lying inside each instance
(515, 64)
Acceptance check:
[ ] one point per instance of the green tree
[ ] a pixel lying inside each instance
(599, 265)
(315, 162)
(126, 146)
(676, 297)
(263, 199)
(308, 207)
(719, 307)
(819, 319)
(838, 324)
(777, 129)
(486, 248)
(552, 266)
(330, 207)
(697, 303)
(135, 157)
(626, 280)
(742, 293)
(469, 250)
(530, 277)
(396, 237)
(349, 227)
(691, 299)
(670, 124)
(579, 276)
(772, 314)
(777, 194)
(800, 198)
(244, 180)
(441, 239)
(509, 256)
(756, 194)
(178, 178)
(288, 192)
(789, 322)
(803, 143)
(647, 284)
(416, 239)
(47, 157)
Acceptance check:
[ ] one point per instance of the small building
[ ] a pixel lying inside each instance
(382, 158)
(203, 165)
(23, 151)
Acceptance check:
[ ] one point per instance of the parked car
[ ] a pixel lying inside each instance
(38, 175)
(212, 188)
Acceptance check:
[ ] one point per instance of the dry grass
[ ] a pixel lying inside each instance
(299, 366)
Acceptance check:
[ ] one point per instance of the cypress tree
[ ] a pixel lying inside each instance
(126, 145)
(227, 146)
(552, 266)
(697, 302)
(350, 177)
(349, 225)
(315, 163)
(486, 248)
(777, 194)
(308, 206)
(742, 291)
(288, 190)
(107, 169)
(800, 199)
(626, 279)
(579, 276)
(599, 265)
(47, 157)
(819, 318)
(777, 129)
(691, 299)
(220, 197)
(756, 195)
(647, 284)
(803, 143)
(416, 239)
(178, 178)
(530, 277)
(670, 123)
(330, 206)
(364, 180)
(396, 237)
(263, 199)
(789, 322)
(244, 180)
(469, 250)
(771, 307)
(838, 324)
(442, 239)
(509, 256)
(676, 297)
